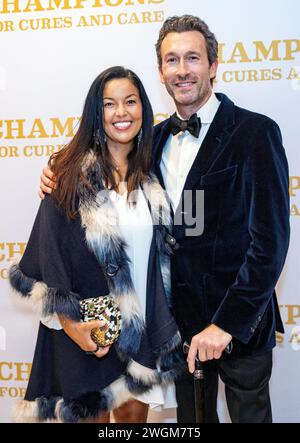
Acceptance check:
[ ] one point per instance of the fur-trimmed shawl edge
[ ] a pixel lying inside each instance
(88, 405)
(55, 409)
(54, 300)
(92, 404)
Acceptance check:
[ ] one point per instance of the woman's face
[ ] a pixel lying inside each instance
(122, 111)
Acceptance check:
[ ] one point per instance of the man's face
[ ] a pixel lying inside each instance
(185, 70)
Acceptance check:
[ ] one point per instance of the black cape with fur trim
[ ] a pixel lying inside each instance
(59, 268)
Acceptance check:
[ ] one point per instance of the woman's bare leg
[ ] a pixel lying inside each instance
(133, 411)
(103, 418)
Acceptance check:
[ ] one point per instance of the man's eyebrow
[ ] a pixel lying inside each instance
(187, 53)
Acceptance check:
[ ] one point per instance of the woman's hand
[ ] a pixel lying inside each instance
(80, 333)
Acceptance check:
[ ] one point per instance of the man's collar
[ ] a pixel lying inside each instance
(208, 110)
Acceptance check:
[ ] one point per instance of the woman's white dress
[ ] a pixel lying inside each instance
(135, 224)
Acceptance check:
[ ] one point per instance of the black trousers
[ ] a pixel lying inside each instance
(246, 382)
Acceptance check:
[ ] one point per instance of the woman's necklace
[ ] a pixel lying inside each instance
(119, 167)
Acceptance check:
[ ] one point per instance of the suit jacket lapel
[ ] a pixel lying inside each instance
(214, 142)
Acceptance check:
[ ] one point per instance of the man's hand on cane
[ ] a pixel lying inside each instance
(208, 345)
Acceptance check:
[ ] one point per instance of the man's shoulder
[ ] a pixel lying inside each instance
(243, 115)
(160, 133)
(257, 130)
(159, 126)
(253, 118)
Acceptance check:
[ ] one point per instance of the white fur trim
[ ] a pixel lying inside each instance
(88, 160)
(38, 291)
(159, 202)
(129, 305)
(102, 231)
(25, 412)
(35, 298)
(140, 372)
(58, 406)
(120, 392)
(35, 305)
(100, 220)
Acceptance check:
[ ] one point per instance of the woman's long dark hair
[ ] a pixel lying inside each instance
(67, 163)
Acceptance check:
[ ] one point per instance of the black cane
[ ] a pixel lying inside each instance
(199, 395)
(198, 376)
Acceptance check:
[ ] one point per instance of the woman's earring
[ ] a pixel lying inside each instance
(139, 138)
(96, 137)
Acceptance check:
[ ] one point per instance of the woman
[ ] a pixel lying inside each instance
(101, 232)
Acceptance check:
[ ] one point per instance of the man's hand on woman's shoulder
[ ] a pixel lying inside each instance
(47, 182)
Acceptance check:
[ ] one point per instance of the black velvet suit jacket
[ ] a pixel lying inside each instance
(227, 275)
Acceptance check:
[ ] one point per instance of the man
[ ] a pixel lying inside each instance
(224, 277)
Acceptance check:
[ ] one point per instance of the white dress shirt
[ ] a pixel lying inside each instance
(180, 152)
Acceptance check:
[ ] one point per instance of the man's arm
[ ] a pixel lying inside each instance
(266, 184)
(266, 201)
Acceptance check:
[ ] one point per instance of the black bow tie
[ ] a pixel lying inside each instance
(193, 125)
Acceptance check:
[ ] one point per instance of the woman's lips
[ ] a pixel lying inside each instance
(122, 126)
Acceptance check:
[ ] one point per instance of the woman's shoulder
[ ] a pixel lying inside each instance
(51, 212)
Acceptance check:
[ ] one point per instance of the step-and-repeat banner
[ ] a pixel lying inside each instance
(50, 52)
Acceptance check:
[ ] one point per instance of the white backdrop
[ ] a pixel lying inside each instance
(51, 50)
